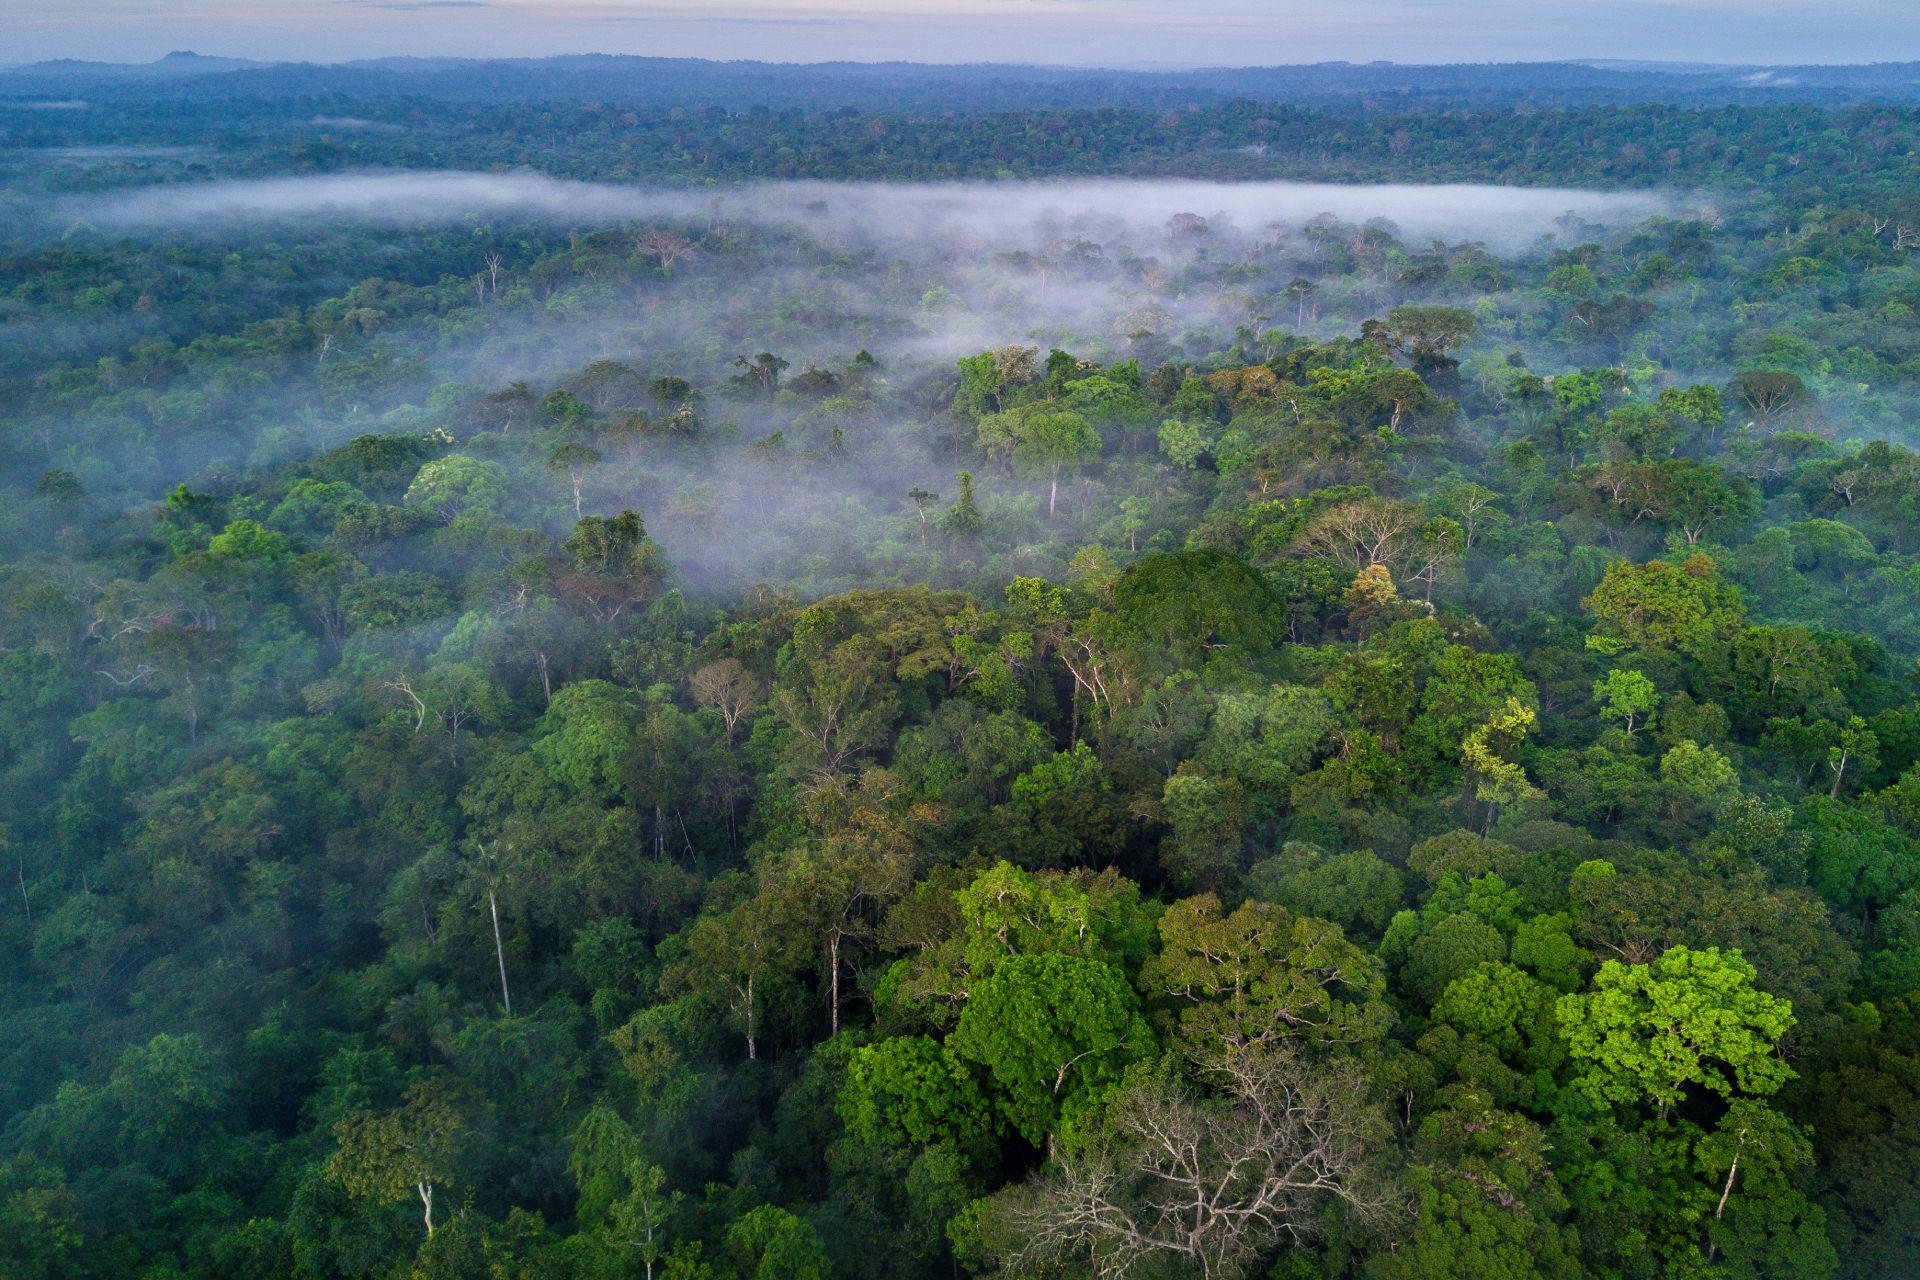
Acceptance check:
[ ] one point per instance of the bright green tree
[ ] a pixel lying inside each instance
(1628, 697)
(1054, 1032)
(910, 1089)
(1648, 1032)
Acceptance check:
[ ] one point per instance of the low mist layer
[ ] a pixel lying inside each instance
(1005, 213)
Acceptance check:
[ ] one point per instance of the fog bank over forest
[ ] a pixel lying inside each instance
(866, 295)
(692, 283)
(916, 272)
(1007, 214)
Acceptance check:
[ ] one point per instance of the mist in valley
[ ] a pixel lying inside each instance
(865, 294)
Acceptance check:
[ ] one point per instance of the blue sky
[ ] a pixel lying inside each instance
(1083, 32)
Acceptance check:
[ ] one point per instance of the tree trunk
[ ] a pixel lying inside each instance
(1731, 1170)
(1053, 492)
(1727, 1190)
(833, 967)
(753, 1050)
(499, 952)
(426, 1199)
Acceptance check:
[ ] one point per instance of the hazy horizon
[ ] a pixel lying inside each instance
(1116, 34)
(1143, 66)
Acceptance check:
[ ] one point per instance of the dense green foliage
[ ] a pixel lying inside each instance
(655, 749)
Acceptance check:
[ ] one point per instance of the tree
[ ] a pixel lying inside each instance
(1357, 890)
(761, 374)
(1698, 408)
(729, 688)
(915, 1091)
(1647, 1032)
(1637, 432)
(1133, 518)
(1852, 857)
(573, 460)
(666, 246)
(606, 385)
(615, 565)
(922, 499)
(459, 490)
(1006, 912)
(837, 704)
(964, 519)
(1498, 782)
(171, 1095)
(988, 381)
(1366, 531)
(1261, 976)
(1486, 1200)
(59, 486)
(458, 696)
(620, 1192)
(1202, 1185)
(1208, 818)
(1861, 1097)
(839, 883)
(732, 958)
(493, 864)
(1780, 670)
(1701, 774)
(40, 1237)
(1857, 747)
(1506, 1009)
(1437, 554)
(1445, 950)
(1611, 320)
(1698, 498)
(1054, 1032)
(381, 1155)
(1634, 912)
(1178, 609)
(1667, 608)
(1052, 441)
(1627, 696)
(770, 1243)
(1769, 395)
(1427, 334)
(1756, 1160)
(584, 735)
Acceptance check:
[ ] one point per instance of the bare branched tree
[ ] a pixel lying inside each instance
(1205, 1186)
(1365, 531)
(729, 688)
(666, 245)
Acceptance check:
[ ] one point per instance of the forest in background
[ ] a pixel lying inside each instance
(874, 730)
(978, 87)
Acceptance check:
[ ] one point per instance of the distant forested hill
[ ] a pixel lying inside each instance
(692, 82)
